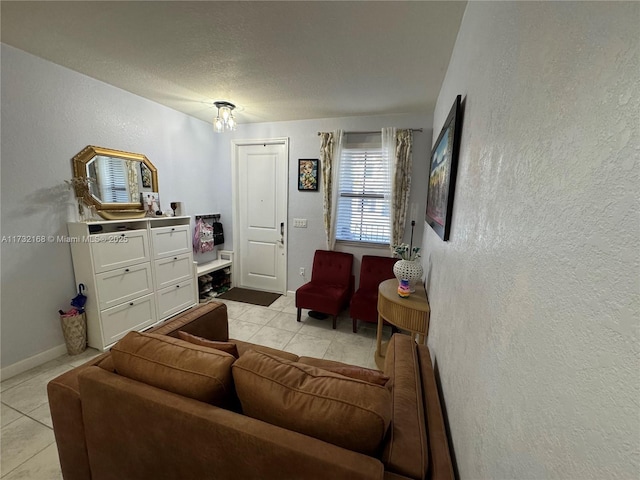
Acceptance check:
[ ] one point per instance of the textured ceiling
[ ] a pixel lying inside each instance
(275, 60)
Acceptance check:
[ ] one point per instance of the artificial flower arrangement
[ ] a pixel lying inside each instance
(82, 190)
(406, 252)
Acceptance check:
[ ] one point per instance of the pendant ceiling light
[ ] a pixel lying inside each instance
(225, 119)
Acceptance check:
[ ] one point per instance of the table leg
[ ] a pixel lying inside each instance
(379, 337)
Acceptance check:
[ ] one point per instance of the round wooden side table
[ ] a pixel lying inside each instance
(410, 313)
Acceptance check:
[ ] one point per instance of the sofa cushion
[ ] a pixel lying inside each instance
(360, 373)
(228, 347)
(244, 347)
(177, 366)
(349, 413)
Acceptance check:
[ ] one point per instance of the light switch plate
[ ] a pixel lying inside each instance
(300, 222)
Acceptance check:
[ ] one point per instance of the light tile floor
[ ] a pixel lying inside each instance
(27, 444)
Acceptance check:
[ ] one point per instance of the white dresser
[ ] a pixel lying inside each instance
(137, 273)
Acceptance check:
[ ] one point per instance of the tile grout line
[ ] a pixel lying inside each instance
(38, 421)
(5, 474)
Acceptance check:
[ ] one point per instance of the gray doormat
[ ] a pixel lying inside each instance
(253, 297)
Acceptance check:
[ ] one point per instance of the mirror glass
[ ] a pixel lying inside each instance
(116, 180)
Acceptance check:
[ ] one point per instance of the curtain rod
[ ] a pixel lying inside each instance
(376, 131)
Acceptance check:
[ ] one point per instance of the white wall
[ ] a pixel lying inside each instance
(50, 113)
(305, 143)
(535, 299)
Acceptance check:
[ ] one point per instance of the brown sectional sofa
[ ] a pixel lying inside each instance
(109, 426)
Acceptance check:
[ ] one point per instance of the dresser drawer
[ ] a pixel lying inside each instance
(134, 315)
(172, 270)
(123, 284)
(175, 298)
(113, 250)
(171, 241)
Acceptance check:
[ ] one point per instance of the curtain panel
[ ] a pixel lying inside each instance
(398, 144)
(330, 151)
(132, 175)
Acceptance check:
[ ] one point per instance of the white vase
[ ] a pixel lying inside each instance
(408, 270)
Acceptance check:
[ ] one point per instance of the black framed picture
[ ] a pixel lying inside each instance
(442, 173)
(308, 174)
(145, 173)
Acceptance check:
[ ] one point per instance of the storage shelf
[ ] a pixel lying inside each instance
(218, 282)
(213, 266)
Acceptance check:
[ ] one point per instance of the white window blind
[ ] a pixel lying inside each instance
(363, 196)
(113, 180)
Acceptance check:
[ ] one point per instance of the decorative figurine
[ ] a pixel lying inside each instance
(403, 288)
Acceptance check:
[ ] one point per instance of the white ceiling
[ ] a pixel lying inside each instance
(275, 60)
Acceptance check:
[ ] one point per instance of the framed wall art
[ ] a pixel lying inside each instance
(442, 173)
(308, 174)
(145, 173)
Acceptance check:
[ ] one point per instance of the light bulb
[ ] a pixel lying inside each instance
(218, 126)
(231, 123)
(226, 113)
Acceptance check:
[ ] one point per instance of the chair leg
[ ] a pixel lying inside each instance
(299, 313)
(355, 325)
(335, 320)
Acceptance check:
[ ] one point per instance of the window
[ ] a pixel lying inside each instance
(363, 193)
(113, 180)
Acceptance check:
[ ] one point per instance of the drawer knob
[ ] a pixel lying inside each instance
(131, 303)
(173, 229)
(177, 286)
(126, 269)
(122, 235)
(175, 258)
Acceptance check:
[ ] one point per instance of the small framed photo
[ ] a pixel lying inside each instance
(150, 202)
(308, 174)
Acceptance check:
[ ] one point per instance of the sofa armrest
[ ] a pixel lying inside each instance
(66, 415)
(208, 321)
(406, 451)
(440, 465)
(136, 431)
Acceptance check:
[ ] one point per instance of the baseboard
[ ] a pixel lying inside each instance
(290, 293)
(32, 362)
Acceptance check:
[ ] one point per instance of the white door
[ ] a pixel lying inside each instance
(260, 213)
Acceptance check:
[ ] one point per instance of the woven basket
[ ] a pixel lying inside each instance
(74, 329)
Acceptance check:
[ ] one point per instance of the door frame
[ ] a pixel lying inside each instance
(235, 191)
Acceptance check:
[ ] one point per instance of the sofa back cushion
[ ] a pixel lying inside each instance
(343, 411)
(352, 371)
(228, 347)
(244, 347)
(177, 366)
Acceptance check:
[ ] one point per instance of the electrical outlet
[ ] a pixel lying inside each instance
(302, 271)
(300, 222)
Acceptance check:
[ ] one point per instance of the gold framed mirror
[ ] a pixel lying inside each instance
(114, 180)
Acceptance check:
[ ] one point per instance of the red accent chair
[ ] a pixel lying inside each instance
(364, 303)
(331, 285)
